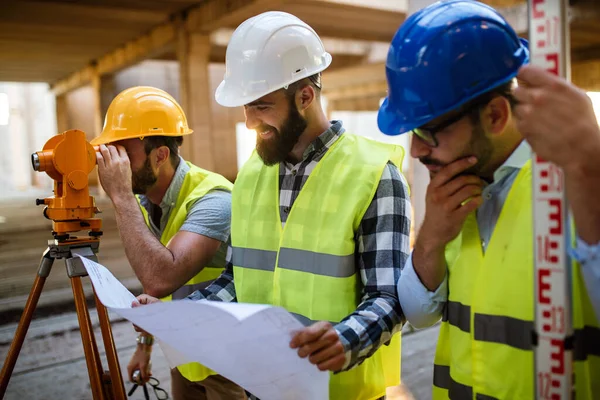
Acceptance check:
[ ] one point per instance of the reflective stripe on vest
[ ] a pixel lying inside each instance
(197, 183)
(514, 332)
(296, 260)
(485, 348)
(308, 266)
(443, 380)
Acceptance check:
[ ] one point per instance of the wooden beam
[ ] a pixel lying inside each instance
(205, 18)
(74, 81)
(346, 21)
(585, 54)
(75, 14)
(354, 104)
(586, 75)
(373, 89)
(353, 76)
(155, 42)
(214, 14)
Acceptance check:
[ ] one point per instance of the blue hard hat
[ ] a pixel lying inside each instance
(443, 56)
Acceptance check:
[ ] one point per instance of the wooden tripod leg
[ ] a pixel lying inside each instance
(118, 390)
(32, 300)
(92, 357)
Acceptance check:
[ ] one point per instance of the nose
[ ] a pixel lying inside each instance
(252, 122)
(418, 148)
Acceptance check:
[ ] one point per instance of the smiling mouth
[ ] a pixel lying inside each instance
(266, 134)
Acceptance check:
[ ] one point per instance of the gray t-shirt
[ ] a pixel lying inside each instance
(209, 216)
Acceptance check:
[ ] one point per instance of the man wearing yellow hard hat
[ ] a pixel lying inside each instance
(175, 231)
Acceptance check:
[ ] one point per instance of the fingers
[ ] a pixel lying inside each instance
(464, 194)
(469, 206)
(122, 152)
(534, 76)
(114, 153)
(130, 368)
(331, 349)
(451, 170)
(145, 372)
(100, 160)
(458, 183)
(330, 337)
(333, 364)
(104, 150)
(309, 334)
(145, 299)
(321, 343)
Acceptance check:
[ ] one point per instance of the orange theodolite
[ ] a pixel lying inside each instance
(68, 159)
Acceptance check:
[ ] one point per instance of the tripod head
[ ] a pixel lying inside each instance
(68, 159)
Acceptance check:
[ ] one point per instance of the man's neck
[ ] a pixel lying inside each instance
(507, 150)
(314, 129)
(165, 176)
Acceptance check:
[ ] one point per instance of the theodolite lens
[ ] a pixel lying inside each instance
(35, 162)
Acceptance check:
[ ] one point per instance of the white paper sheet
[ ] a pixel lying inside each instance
(246, 343)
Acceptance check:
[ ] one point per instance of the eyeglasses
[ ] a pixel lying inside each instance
(160, 393)
(427, 135)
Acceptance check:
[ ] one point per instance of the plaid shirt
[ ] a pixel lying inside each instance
(382, 248)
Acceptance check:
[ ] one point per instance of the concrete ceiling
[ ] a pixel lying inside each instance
(49, 41)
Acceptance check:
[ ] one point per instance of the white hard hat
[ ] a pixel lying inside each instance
(266, 53)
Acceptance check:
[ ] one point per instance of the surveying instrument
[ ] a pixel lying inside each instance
(68, 159)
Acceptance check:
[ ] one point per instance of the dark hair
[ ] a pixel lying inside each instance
(505, 90)
(172, 142)
(313, 80)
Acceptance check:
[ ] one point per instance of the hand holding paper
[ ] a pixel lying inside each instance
(247, 343)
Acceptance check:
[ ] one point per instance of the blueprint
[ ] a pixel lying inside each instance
(246, 343)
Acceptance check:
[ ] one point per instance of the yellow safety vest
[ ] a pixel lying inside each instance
(308, 267)
(485, 346)
(196, 184)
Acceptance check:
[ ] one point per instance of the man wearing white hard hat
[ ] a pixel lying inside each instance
(320, 218)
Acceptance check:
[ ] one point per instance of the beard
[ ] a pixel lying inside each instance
(276, 149)
(143, 179)
(479, 146)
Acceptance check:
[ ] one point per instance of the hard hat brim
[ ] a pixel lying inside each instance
(229, 95)
(111, 137)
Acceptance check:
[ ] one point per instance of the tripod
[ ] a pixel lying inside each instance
(105, 385)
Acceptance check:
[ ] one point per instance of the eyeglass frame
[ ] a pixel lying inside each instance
(428, 135)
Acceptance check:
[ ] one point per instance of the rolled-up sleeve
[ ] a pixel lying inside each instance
(421, 307)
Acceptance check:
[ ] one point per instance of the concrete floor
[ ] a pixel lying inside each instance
(51, 364)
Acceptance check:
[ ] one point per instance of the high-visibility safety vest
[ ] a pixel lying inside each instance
(308, 267)
(196, 184)
(485, 346)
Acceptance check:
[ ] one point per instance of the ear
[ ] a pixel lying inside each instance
(161, 156)
(496, 115)
(305, 97)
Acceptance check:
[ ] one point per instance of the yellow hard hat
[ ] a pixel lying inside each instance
(142, 111)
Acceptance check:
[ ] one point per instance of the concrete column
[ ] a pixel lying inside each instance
(193, 52)
(62, 114)
(107, 92)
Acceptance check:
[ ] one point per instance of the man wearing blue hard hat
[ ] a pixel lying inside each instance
(451, 71)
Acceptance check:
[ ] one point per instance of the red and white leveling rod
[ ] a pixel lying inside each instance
(549, 45)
